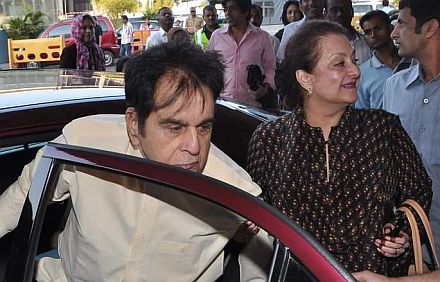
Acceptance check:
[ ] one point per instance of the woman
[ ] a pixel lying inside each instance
(335, 170)
(84, 54)
(291, 13)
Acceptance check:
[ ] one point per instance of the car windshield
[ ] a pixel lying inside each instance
(362, 8)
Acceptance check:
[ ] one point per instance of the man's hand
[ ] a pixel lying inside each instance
(368, 276)
(246, 231)
(262, 91)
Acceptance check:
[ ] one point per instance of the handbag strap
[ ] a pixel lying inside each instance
(426, 225)
(417, 245)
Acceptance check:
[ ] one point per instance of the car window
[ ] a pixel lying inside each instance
(183, 201)
(362, 8)
(64, 29)
(103, 25)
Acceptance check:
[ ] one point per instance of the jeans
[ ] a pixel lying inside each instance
(125, 50)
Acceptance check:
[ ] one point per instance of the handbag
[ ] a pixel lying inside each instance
(419, 267)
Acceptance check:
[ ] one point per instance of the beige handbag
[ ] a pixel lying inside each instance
(419, 267)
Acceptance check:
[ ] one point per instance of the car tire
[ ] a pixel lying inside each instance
(33, 65)
(109, 58)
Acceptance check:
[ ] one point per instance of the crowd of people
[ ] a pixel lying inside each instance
(359, 139)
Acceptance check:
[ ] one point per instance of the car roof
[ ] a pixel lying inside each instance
(21, 88)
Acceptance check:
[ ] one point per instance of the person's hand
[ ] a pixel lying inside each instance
(390, 246)
(368, 276)
(245, 232)
(261, 91)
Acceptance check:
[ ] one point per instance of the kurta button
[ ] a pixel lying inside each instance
(422, 128)
(426, 100)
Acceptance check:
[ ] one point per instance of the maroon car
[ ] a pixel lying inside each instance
(109, 41)
(40, 102)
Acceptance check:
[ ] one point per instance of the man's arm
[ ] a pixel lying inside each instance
(12, 200)
(255, 257)
(368, 276)
(268, 61)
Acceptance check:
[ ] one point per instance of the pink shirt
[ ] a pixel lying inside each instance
(254, 48)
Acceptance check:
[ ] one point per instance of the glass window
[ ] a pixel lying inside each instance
(103, 25)
(61, 30)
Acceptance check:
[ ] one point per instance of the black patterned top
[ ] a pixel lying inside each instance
(371, 160)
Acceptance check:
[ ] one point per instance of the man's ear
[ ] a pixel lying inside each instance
(433, 28)
(131, 122)
(305, 79)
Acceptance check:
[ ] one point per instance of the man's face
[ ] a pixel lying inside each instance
(124, 21)
(193, 13)
(377, 33)
(404, 35)
(233, 14)
(340, 11)
(166, 19)
(312, 9)
(256, 17)
(210, 18)
(178, 134)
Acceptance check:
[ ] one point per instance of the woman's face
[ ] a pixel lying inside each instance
(293, 13)
(335, 78)
(88, 30)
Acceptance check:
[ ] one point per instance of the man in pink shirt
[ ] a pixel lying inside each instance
(242, 44)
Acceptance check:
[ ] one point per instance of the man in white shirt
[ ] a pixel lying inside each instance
(166, 21)
(126, 37)
(114, 233)
(312, 10)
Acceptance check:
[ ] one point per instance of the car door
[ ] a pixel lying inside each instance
(291, 254)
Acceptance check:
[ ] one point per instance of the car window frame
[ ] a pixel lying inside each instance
(264, 215)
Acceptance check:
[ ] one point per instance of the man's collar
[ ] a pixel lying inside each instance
(205, 27)
(162, 32)
(250, 28)
(415, 73)
(375, 62)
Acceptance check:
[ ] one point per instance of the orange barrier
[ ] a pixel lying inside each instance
(139, 39)
(35, 50)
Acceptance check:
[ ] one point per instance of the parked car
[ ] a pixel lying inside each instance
(36, 104)
(109, 40)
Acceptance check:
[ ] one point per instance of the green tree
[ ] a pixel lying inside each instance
(115, 8)
(150, 14)
(27, 27)
(157, 4)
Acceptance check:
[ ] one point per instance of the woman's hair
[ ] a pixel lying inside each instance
(303, 52)
(286, 6)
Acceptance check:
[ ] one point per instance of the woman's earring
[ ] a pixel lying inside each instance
(309, 93)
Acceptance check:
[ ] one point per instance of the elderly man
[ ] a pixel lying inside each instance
(166, 21)
(114, 233)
